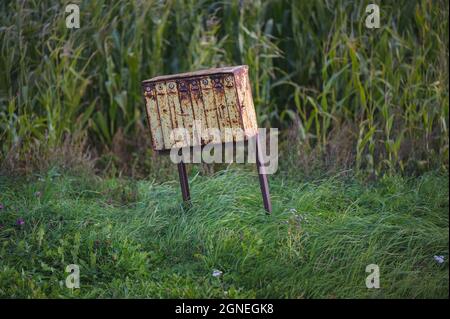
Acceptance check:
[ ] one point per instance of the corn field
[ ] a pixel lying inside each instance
(317, 72)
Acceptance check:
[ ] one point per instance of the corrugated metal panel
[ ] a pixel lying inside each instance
(214, 98)
(199, 108)
(153, 117)
(233, 105)
(209, 103)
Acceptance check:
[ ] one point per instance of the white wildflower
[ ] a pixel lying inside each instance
(439, 259)
(217, 273)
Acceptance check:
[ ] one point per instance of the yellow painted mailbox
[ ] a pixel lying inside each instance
(219, 98)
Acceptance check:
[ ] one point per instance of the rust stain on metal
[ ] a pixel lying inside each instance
(198, 108)
(209, 103)
(174, 106)
(233, 105)
(221, 105)
(217, 98)
(164, 113)
(153, 116)
(186, 106)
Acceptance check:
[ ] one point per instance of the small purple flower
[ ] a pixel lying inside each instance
(439, 259)
(20, 222)
(1, 206)
(38, 194)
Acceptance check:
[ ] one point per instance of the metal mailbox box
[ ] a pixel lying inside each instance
(219, 99)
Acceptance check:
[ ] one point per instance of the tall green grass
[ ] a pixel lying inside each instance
(315, 68)
(135, 239)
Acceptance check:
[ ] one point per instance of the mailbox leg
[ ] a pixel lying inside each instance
(184, 183)
(264, 184)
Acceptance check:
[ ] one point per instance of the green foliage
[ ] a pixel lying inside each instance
(313, 64)
(135, 239)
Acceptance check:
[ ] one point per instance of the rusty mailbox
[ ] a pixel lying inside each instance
(219, 98)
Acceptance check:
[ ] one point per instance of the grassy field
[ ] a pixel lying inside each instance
(363, 116)
(134, 238)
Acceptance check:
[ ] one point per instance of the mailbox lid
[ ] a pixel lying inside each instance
(200, 73)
